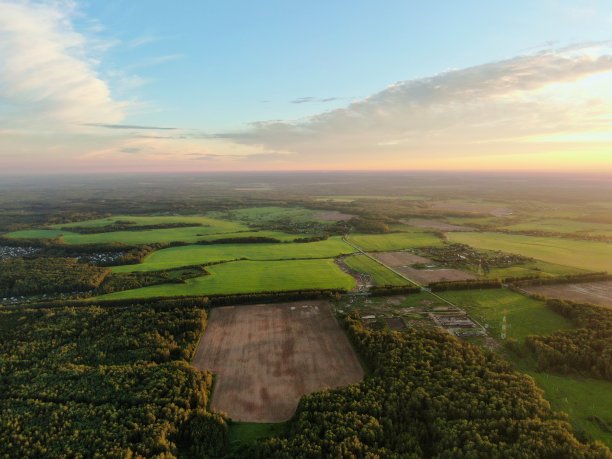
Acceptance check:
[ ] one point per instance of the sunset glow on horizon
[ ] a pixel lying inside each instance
(91, 87)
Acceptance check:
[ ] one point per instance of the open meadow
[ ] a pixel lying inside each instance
(250, 277)
(394, 241)
(200, 254)
(375, 271)
(594, 256)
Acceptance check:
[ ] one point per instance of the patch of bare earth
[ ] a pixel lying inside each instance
(332, 216)
(436, 225)
(402, 262)
(265, 357)
(599, 293)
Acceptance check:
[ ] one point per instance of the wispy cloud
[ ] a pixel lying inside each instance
(130, 126)
(459, 111)
(304, 100)
(48, 73)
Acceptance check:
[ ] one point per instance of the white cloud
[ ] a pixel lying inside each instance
(458, 112)
(48, 74)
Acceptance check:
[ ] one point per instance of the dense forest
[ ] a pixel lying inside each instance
(114, 381)
(429, 395)
(22, 276)
(587, 350)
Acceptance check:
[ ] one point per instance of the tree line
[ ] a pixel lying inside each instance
(428, 395)
(586, 350)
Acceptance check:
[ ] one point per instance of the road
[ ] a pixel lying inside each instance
(423, 288)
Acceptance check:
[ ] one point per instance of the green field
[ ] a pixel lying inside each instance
(394, 241)
(272, 214)
(593, 256)
(562, 226)
(534, 268)
(251, 277)
(377, 272)
(524, 316)
(247, 433)
(189, 255)
(581, 398)
(210, 228)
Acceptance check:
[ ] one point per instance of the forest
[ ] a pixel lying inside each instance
(429, 395)
(24, 276)
(586, 350)
(115, 381)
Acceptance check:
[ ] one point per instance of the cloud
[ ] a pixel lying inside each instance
(130, 126)
(456, 112)
(304, 100)
(48, 71)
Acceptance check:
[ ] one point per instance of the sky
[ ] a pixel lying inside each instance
(196, 85)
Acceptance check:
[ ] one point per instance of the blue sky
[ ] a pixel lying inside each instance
(249, 84)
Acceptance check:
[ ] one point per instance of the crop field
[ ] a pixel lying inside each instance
(189, 255)
(402, 261)
(375, 271)
(563, 226)
(251, 277)
(394, 241)
(599, 293)
(534, 268)
(435, 225)
(594, 256)
(265, 357)
(207, 227)
(260, 215)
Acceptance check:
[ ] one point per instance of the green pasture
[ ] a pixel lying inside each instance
(210, 227)
(585, 400)
(534, 268)
(188, 255)
(271, 214)
(247, 433)
(563, 226)
(378, 273)
(593, 256)
(251, 277)
(394, 241)
(141, 220)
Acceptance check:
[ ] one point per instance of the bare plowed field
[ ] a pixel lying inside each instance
(265, 357)
(588, 292)
(396, 259)
(426, 276)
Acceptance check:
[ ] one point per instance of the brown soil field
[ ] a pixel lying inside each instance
(436, 225)
(599, 293)
(397, 259)
(332, 216)
(266, 356)
(426, 276)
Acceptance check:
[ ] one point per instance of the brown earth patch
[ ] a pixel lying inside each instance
(265, 357)
(398, 259)
(426, 276)
(599, 293)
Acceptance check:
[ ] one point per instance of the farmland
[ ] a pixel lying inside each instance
(199, 254)
(267, 356)
(393, 241)
(587, 255)
(251, 277)
(376, 272)
(586, 292)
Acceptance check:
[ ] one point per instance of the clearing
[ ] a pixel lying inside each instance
(599, 293)
(251, 277)
(265, 357)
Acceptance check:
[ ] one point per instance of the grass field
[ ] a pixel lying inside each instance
(581, 398)
(210, 228)
(198, 254)
(251, 277)
(534, 268)
(594, 256)
(563, 226)
(247, 433)
(524, 316)
(378, 273)
(394, 241)
(271, 214)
